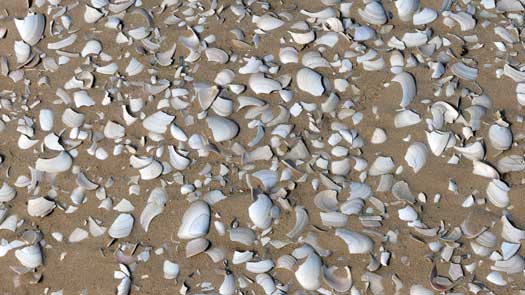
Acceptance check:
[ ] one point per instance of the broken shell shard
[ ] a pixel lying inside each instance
(222, 129)
(60, 163)
(408, 86)
(40, 207)
(121, 226)
(310, 81)
(308, 274)
(416, 156)
(260, 212)
(195, 221)
(30, 256)
(31, 28)
(357, 243)
(260, 84)
(500, 137)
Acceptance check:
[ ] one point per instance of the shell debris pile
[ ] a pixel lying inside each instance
(262, 147)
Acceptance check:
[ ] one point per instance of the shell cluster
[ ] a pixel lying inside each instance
(262, 147)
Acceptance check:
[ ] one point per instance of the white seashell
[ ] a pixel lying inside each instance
(46, 119)
(438, 141)
(178, 161)
(405, 8)
(260, 84)
(62, 162)
(259, 266)
(68, 41)
(216, 55)
(171, 270)
(373, 13)
(260, 211)
(267, 22)
(242, 235)
(196, 246)
(363, 33)
(420, 290)
(51, 141)
(326, 200)
(157, 122)
(7, 193)
(483, 169)
(516, 75)
(224, 77)
(266, 282)
(114, 130)
(288, 55)
(498, 193)
(222, 129)
(25, 143)
(195, 221)
(408, 86)
(401, 191)
(228, 285)
(473, 151)
(154, 206)
(414, 39)
(82, 98)
(121, 226)
(40, 207)
(31, 28)
(341, 167)
(512, 163)
(338, 283)
(94, 228)
(406, 118)
(465, 20)
(327, 12)
(301, 221)
(308, 274)
(510, 232)
(382, 165)
(496, 278)
(464, 72)
(72, 119)
(22, 52)
(241, 257)
(222, 106)
(109, 69)
(303, 38)
(407, 213)
(92, 47)
(416, 156)
(30, 256)
(352, 206)
(357, 243)
(78, 235)
(310, 81)
(513, 265)
(335, 219)
(134, 67)
(286, 262)
(500, 137)
(378, 136)
(92, 15)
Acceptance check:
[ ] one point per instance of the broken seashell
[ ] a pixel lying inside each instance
(121, 226)
(195, 221)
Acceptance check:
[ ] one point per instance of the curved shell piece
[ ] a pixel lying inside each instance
(222, 129)
(155, 205)
(408, 86)
(40, 207)
(60, 163)
(416, 156)
(7, 193)
(121, 226)
(405, 8)
(374, 13)
(30, 256)
(500, 137)
(260, 84)
(195, 221)
(31, 28)
(340, 284)
(310, 81)
(308, 274)
(498, 193)
(260, 211)
(357, 243)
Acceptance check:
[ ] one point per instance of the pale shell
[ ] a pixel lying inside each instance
(195, 221)
(30, 256)
(357, 243)
(416, 156)
(121, 226)
(310, 81)
(222, 129)
(31, 28)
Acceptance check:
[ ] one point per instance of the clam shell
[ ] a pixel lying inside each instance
(22, 52)
(40, 207)
(512, 163)
(338, 283)
(72, 119)
(464, 72)
(259, 266)
(242, 235)
(241, 257)
(288, 55)
(46, 117)
(216, 55)
(357, 243)
(310, 81)
(326, 200)
(416, 156)
(121, 226)
(472, 151)
(301, 221)
(496, 278)
(500, 137)
(373, 13)
(7, 193)
(513, 265)
(92, 15)
(510, 232)
(405, 8)
(260, 84)
(335, 219)
(438, 141)
(31, 28)
(114, 130)
(78, 235)
(260, 211)
(60, 163)
(267, 22)
(196, 246)
(177, 160)
(222, 129)
(401, 191)
(406, 118)
(228, 285)
(30, 256)
(498, 193)
(408, 86)
(157, 122)
(154, 206)
(381, 165)
(308, 274)
(92, 47)
(266, 282)
(483, 169)
(195, 221)
(171, 270)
